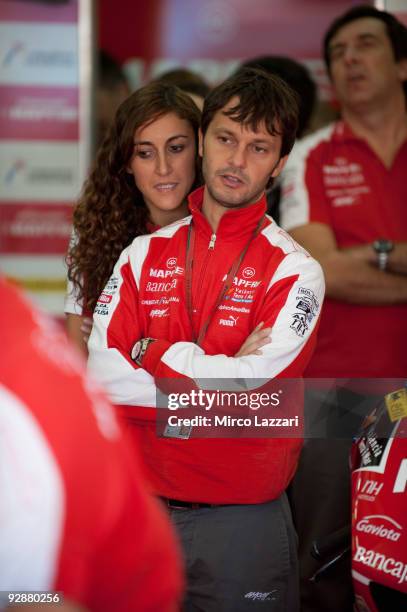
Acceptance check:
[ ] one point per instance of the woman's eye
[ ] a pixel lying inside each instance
(177, 148)
(144, 154)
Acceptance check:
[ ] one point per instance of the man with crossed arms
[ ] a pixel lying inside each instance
(162, 315)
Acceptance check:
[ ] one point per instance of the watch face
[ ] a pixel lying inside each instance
(383, 245)
(135, 352)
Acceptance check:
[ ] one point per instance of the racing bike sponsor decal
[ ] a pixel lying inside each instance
(381, 526)
(381, 563)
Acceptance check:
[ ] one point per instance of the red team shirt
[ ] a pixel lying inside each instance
(333, 177)
(74, 513)
(277, 282)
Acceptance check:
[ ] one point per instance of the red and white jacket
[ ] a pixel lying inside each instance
(145, 297)
(75, 514)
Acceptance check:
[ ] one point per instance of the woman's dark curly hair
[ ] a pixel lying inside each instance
(111, 211)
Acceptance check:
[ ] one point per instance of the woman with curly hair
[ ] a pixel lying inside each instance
(142, 175)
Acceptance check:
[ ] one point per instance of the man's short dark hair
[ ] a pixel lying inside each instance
(396, 31)
(297, 76)
(261, 97)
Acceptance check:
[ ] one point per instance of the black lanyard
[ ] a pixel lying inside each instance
(226, 285)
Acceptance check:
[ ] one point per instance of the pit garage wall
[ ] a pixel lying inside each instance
(44, 138)
(213, 36)
(46, 86)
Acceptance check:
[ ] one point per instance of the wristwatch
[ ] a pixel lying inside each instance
(139, 349)
(382, 248)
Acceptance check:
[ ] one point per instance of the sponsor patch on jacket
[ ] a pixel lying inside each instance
(231, 321)
(105, 298)
(161, 286)
(159, 313)
(307, 308)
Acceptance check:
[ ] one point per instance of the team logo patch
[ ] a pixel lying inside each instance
(248, 272)
(105, 298)
(307, 308)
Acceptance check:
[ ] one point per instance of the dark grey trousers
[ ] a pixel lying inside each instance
(239, 558)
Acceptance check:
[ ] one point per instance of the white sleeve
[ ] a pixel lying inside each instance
(303, 195)
(72, 304)
(32, 501)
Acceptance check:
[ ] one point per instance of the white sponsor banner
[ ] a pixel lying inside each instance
(39, 171)
(37, 54)
(27, 266)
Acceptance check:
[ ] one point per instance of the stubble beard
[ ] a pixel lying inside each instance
(220, 197)
(230, 202)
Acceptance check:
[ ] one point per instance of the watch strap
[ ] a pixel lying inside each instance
(139, 349)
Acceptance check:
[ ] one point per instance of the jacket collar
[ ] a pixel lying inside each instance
(234, 225)
(343, 132)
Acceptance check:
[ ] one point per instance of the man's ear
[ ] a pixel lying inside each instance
(200, 142)
(277, 169)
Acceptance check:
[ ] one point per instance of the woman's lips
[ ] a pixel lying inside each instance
(164, 187)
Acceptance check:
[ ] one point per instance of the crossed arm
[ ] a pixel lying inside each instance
(351, 274)
(113, 336)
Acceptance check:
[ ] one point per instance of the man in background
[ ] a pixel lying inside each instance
(344, 200)
(190, 82)
(299, 79)
(112, 89)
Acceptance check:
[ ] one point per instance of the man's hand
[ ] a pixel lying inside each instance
(78, 329)
(258, 338)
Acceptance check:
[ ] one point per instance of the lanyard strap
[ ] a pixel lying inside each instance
(189, 264)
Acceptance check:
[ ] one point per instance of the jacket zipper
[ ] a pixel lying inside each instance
(211, 247)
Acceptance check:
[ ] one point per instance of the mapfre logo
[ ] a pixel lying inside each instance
(242, 282)
(171, 262)
(158, 273)
(248, 272)
(381, 526)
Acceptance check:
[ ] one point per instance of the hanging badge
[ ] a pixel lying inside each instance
(396, 403)
(181, 432)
